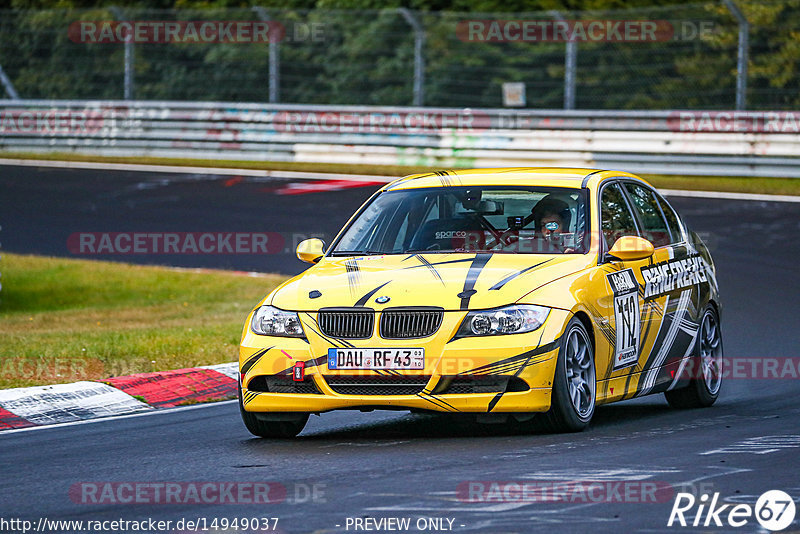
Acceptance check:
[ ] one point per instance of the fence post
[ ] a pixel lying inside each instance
(419, 61)
(129, 57)
(274, 60)
(9, 87)
(741, 55)
(570, 65)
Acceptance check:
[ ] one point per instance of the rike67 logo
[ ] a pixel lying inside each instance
(774, 510)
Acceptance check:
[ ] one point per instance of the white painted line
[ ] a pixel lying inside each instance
(759, 445)
(206, 270)
(115, 417)
(301, 175)
(594, 475)
(180, 169)
(63, 403)
(729, 196)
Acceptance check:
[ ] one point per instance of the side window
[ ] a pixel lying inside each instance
(672, 220)
(646, 206)
(616, 218)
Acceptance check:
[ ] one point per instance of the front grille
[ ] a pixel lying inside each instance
(347, 323)
(377, 385)
(281, 384)
(409, 323)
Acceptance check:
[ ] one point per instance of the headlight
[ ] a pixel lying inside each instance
(515, 319)
(269, 321)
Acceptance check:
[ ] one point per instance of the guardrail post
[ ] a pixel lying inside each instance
(274, 60)
(9, 87)
(419, 60)
(741, 54)
(129, 57)
(570, 66)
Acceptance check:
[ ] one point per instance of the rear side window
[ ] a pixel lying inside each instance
(646, 205)
(672, 219)
(616, 218)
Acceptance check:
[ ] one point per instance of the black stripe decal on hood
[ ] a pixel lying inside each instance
(363, 300)
(465, 260)
(430, 267)
(510, 277)
(353, 275)
(478, 263)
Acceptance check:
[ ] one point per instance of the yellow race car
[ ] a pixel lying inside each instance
(501, 291)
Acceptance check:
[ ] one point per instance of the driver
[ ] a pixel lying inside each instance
(551, 217)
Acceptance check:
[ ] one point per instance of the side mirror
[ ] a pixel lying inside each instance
(631, 247)
(310, 250)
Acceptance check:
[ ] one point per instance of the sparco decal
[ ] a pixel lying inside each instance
(673, 275)
(446, 235)
(626, 317)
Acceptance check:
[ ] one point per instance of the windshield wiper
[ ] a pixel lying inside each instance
(355, 253)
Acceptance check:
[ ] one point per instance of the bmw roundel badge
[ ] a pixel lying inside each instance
(382, 300)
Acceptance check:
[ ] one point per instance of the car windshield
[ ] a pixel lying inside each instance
(532, 220)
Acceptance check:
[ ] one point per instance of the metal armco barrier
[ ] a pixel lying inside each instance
(668, 142)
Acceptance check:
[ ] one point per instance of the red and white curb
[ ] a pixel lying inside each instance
(123, 395)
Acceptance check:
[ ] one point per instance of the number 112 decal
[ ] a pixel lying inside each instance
(626, 317)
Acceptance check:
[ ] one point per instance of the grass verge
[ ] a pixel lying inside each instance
(769, 186)
(65, 320)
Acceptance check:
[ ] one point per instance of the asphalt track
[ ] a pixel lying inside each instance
(385, 464)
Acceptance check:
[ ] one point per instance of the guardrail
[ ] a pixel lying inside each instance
(668, 142)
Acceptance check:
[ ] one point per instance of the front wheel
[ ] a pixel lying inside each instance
(703, 391)
(574, 383)
(285, 425)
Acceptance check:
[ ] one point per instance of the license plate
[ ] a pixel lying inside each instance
(376, 359)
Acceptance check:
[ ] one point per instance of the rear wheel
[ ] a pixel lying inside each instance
(272, 425)
(574, 384)
(703, 390)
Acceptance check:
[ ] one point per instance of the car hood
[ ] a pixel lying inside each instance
(455, 281)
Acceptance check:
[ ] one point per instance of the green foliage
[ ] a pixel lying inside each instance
(65, 320)
(365, 54)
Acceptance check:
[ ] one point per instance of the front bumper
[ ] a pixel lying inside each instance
(529, 357)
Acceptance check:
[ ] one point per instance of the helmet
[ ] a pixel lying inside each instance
(551, 205)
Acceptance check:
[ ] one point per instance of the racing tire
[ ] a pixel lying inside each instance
(574, 383)
(262, 428)
(703, 391)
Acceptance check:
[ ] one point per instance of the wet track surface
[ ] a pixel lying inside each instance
(386, 464)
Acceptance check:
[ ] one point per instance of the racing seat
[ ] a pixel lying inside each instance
(446, 234)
